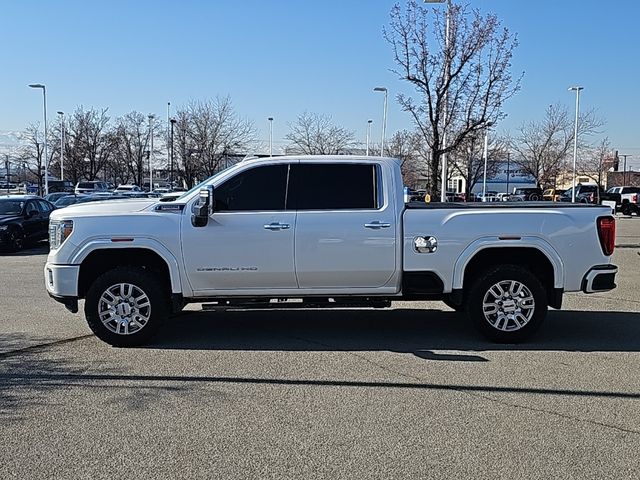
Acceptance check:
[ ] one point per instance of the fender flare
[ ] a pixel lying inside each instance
(494, 242)
(156, 247)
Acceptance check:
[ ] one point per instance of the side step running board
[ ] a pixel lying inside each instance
(289, 303)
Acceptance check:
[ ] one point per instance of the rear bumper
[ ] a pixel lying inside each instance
(600, 279)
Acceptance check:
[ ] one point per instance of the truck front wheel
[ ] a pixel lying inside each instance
(126, 306)
(507, 303)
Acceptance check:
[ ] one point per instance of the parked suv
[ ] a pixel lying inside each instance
(527, 194)
(91, 187)
(585, 194)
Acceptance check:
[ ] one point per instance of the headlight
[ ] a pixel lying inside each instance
(59, 231)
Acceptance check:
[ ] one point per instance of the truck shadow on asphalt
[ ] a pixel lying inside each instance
(417, 331)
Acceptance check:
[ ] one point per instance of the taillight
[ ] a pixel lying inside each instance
(634, 199)
(607, 234)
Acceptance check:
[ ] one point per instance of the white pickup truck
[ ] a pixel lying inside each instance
(322, 232)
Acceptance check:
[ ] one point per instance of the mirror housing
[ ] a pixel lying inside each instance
(203, 208)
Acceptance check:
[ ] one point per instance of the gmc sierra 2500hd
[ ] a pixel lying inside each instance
(328, 232)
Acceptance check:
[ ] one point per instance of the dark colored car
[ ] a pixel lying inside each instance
(58, 186)
(23, 219)
(527, 194)
(585, 194)
(53, 197)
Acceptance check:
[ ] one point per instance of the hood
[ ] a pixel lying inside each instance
(4, 219)
(102, 208)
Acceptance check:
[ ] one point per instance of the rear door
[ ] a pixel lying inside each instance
(345, 226)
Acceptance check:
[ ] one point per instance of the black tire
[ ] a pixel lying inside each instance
(507, 330)
(626, 209)
(454, 306)
(534, 197)
(15, 240)
(142, 281)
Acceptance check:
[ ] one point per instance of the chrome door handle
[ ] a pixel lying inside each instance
(377, 224)
(277, 226)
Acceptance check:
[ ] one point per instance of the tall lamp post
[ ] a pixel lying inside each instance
(384, 117)
(624, 169)
(486, 156)
(575, 141)
(151, 154)
(447, 66)
(270, 136)
(61, 144)
(172, 122)
(46, 155)
(369, 122)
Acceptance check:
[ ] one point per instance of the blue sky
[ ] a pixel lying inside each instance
(280, 58)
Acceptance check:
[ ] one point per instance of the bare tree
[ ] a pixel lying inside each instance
(32, 153)
(409, 147)
(215, 130)
(91, 144)
(461, 83)
(468, 160)
(315, 134)
(132, 137)
(184, 149)
(594, 165)
(541, 148)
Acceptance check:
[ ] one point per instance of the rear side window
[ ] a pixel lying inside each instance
(257, 189)
(333, 187)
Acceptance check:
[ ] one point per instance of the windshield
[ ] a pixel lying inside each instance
(201, 184)
(64, 201)
(11, 207)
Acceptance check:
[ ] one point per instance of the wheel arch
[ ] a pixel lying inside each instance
(537, 256)
(98, 260)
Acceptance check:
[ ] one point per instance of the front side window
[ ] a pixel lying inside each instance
(257, 189)
(333, 187)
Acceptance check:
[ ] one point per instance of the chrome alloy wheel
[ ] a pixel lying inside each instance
(124, 309)
(508, 305)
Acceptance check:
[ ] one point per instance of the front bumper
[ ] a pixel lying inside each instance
(61, 280)
(600, 278)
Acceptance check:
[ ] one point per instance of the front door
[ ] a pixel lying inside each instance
(248, 241)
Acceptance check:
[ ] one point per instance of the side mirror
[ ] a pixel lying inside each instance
(203, 208)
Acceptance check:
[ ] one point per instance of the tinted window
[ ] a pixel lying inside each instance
(43, 206)
(261, 188)
(31, 207)
(85, 185)
(332, 187)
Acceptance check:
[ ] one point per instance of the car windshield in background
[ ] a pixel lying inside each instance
(11, 207)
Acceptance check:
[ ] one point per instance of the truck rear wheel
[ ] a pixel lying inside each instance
(507, 304)
(126, 306)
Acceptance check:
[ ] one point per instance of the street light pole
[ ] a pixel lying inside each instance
(61, 145)
(173, 122)
(485, 155)
(624, 170)
(46, 162)
(270, 136)
(369, 122)
(575, 141)
(384, 117)
(151, 154)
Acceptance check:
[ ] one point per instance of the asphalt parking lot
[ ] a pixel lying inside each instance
(405, 393)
